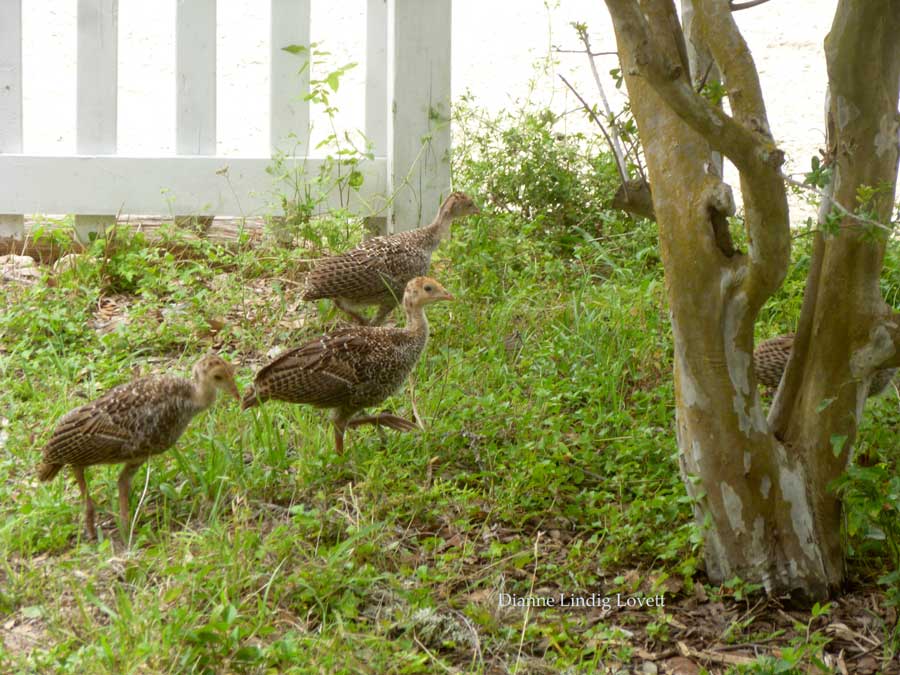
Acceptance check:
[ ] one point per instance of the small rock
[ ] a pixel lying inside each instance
(649, 668)
(13, 260)
(20, 268)
(682, 666)
(175, 311)
(66, 263)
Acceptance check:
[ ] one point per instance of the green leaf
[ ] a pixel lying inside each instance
(333, 80)
(837, 443)
(33, 612)
(355, 180)
(824, 404)
(295, 49)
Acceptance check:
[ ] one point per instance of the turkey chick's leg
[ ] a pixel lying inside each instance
(384, 310)
(343, 305)
(88, 502)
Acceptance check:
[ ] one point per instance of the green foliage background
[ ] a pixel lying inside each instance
(549, 463)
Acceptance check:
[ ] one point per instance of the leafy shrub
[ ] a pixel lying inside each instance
(524, 162)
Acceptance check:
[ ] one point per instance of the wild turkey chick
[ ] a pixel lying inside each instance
(354, 368)
(129, 424)
(376, 272)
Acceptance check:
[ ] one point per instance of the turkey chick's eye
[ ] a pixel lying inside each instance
(428, 288)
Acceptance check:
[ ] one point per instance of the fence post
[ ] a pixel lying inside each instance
(289, 85)
(376, 96)
(419, 95)
(195, 87)
(289, 115)
(11, 225)
(98, 35)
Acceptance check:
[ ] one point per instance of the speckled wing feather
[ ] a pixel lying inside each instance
(376, 268)
(136, 419)
(84, 436)
(318, 372)
(770, 359)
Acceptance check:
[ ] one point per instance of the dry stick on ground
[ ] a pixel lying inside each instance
(477, 656)
(430, 655)
(537, 541)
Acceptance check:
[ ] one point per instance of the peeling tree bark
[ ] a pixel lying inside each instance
(837, 358)
(759, 489)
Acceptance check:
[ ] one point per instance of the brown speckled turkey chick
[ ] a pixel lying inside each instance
(130, 423)
(376, 272)
(354, 368)
(770, 359)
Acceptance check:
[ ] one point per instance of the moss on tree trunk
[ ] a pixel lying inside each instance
(760, 486)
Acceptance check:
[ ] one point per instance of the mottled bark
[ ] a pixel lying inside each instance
(846, 330)
(760, 499)
(704, 70)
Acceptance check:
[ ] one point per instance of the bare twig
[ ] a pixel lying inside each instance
(619, 163)
(702, 82)
(738, 6)
(616, 145)
(839, 207)
(582, 51)
(477, 656)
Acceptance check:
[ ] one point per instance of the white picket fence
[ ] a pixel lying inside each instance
(406, 100)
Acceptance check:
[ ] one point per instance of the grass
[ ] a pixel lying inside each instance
(548, 465)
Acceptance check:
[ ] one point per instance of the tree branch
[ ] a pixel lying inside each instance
(736, 142)
(765, 197)
(746, 141)
(560, 50)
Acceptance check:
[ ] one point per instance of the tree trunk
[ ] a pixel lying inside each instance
(759, 499)
(820, 406)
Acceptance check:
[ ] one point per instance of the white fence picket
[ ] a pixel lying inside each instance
(407, 103)
(289, 114)
(376, 75)
(97, 97)
(11, 224)
(376, 98)
(419, 132)
(195, 77)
